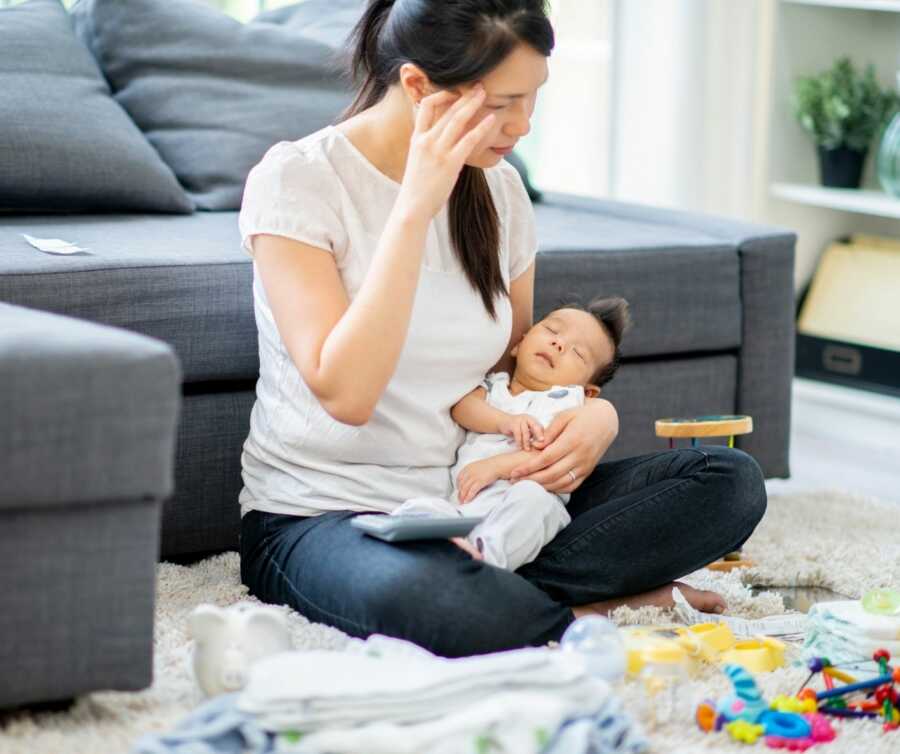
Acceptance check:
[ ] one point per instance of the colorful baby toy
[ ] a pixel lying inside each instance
(872, 697)
(746, 717)
(798, 722)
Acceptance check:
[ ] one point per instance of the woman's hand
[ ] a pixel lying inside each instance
(523, 428)
(575, 441)
(440, 145)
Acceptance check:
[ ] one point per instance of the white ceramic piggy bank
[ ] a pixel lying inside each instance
(227, 641)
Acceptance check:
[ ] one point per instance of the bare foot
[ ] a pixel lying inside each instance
(466, 545)
(700, 599)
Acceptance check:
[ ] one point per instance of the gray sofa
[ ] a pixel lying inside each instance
(711, 298)
(129, 374)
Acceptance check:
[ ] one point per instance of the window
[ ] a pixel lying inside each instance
(568, 148)
(244, 10)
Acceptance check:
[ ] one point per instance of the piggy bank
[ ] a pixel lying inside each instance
(227, 641)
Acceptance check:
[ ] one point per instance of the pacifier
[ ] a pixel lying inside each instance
(882, 602)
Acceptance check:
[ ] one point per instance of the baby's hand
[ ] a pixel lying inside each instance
(525, 429)
(475, 477)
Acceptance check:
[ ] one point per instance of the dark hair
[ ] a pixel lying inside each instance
(454, 42)
(615, 318)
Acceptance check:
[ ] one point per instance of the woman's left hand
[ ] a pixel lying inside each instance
(575, 441)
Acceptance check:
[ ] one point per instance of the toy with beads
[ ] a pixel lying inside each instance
(872, 698)
(713, 425)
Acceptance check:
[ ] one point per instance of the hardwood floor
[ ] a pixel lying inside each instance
(843, 438)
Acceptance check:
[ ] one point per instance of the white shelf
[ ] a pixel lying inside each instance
(863, 201)
(886, 5)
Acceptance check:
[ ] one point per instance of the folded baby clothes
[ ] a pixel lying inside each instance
(843, 631)
(387, 696)
(518, 721)
(319, 688)
(218, 727)
(526, 701)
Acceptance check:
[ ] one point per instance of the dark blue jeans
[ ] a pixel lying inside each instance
(637, 523)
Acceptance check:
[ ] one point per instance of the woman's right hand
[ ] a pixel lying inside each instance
(440, 146)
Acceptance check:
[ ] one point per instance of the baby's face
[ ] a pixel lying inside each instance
(565, 348)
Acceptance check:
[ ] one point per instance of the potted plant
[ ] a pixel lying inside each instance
(843, 111)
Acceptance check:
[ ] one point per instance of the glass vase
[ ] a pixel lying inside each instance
(888, 159)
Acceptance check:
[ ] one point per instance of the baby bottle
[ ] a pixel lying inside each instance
(598, 640)
(665, 670)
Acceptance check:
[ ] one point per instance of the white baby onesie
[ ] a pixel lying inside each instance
(522, 517)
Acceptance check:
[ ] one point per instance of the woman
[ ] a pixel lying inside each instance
(394, 268)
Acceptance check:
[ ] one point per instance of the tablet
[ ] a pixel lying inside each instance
(409, 527)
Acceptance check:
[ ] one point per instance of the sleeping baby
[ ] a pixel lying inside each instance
(559, 362)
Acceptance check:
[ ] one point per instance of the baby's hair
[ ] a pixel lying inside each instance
(614, 316)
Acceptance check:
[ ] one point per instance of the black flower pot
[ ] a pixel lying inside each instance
(841, 167)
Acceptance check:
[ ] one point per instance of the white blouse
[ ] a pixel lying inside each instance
(297, 459)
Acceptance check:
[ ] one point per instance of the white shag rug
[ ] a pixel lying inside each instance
(832, 539)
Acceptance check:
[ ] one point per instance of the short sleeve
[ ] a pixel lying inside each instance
(522, 235)
(494, 378)
(294, 193)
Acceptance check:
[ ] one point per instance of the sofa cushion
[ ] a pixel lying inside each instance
(210, 93)
(185, 280)
(682, 279)
(89, 412)
(65, 144)
(182, 279)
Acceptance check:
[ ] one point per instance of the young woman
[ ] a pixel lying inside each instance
(394, 268)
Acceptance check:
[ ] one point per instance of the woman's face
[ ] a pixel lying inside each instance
(511, 91)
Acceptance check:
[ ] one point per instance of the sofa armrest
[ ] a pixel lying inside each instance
(89, 412)
(766, 355)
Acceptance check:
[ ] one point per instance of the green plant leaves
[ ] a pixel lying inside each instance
(840, 107)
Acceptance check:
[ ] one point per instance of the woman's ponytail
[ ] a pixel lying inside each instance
(364, 63)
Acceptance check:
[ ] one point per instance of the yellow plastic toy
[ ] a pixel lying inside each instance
(762, 655)
(711, 638)
(662, 644)
(706, 642)
(782, 703)
(741, 730)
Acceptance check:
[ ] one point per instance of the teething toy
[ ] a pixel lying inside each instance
(791, 723)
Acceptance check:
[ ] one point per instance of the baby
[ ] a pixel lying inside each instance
(560, 361)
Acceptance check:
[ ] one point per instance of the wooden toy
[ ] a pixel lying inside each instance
(712, 425)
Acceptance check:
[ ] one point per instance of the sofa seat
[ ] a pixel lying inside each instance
(185, 279)
(180, 278)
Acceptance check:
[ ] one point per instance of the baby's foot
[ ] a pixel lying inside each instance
(466, 545)
(700, 599)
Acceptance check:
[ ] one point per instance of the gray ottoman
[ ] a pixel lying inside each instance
(88, 416)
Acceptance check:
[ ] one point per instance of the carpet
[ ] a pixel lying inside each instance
(832, 539)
